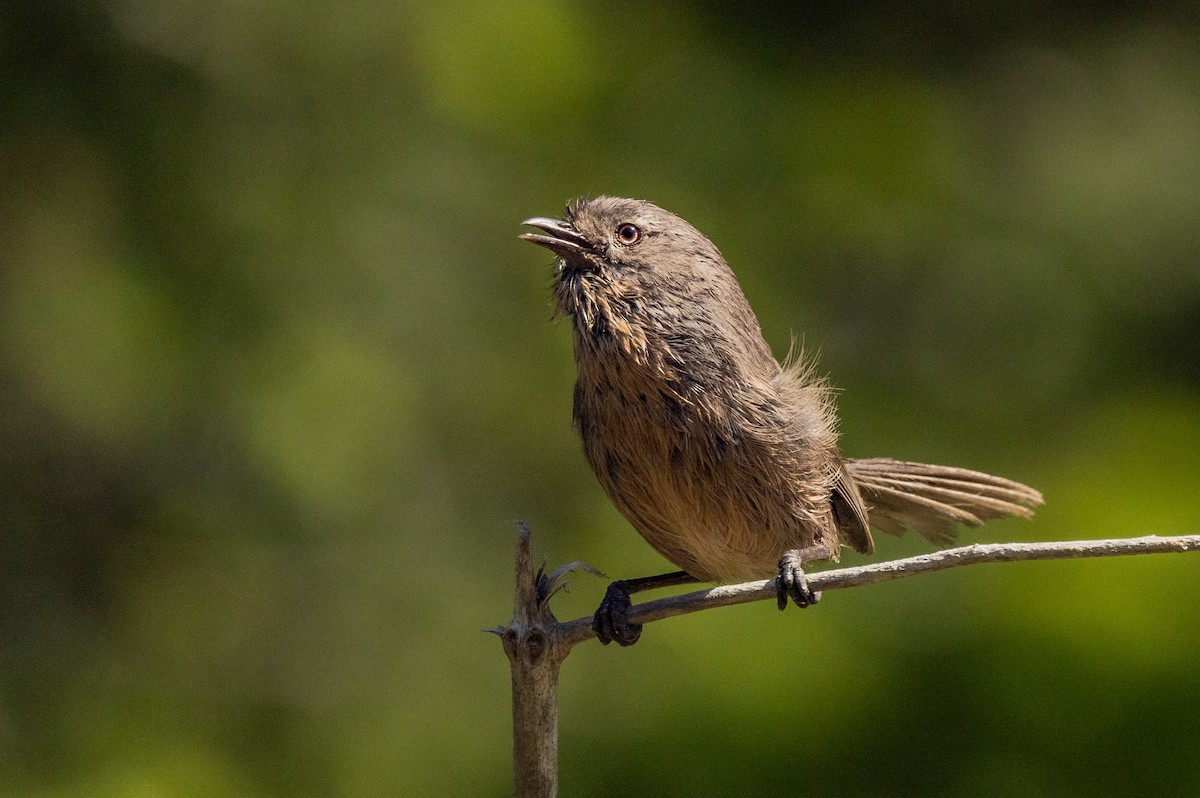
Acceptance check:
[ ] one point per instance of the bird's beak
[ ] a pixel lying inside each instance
(562, 240)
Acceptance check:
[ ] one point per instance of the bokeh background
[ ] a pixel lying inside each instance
(277, 377)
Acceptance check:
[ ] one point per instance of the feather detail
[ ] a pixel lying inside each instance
(933, 499)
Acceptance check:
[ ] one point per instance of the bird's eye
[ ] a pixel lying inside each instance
(629, 234)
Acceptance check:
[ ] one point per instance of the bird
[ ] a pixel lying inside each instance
(723, 458)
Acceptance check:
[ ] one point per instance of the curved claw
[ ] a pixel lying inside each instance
(610, 622)
(793, 583)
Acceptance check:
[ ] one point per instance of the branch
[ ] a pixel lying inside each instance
(576, 631)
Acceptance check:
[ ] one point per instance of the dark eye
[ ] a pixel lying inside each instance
(629, 234)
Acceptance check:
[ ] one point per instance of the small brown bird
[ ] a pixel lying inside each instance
(725, 460)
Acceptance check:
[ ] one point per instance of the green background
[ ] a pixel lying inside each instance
(277, 377)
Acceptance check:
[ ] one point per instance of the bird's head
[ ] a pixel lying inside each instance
(612, 249)
(639, 280)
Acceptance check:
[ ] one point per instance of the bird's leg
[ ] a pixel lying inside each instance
(610, 622)
(792, 581)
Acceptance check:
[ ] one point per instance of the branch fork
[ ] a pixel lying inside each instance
(537, 643)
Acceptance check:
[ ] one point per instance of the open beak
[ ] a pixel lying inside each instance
(562, 239)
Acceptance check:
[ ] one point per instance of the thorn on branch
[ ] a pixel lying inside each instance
(550, 584)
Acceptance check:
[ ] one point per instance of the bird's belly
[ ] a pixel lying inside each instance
(702, 499)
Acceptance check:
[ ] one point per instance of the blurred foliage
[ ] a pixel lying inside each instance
(276, 376)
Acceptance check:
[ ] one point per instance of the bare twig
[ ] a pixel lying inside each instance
(534, 654)
(536, 643)
(573, 632)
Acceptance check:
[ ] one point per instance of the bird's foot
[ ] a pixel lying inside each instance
(610, 622)
(793, 583)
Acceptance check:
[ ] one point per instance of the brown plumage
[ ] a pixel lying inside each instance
(721, 457)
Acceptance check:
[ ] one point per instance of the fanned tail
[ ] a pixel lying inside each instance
(934, 499)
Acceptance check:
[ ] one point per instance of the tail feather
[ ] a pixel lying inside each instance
(933, 499)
